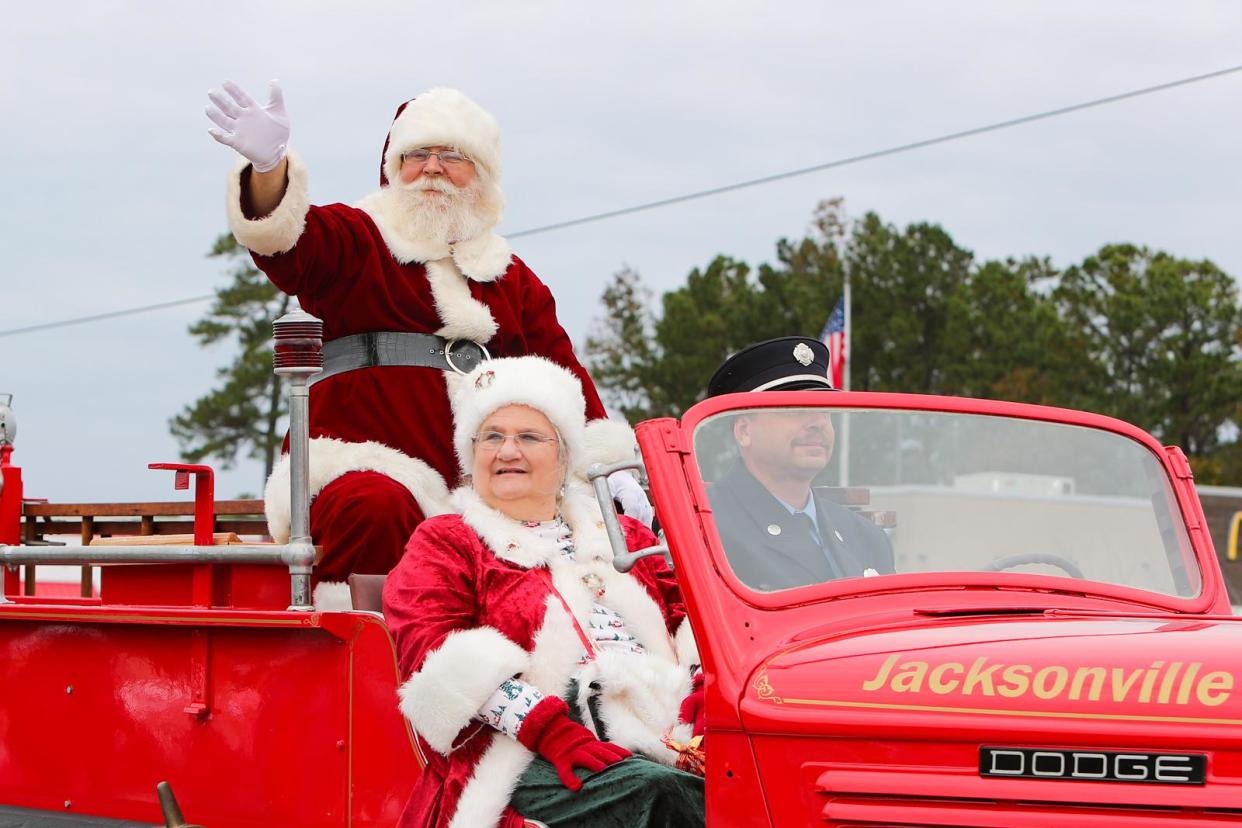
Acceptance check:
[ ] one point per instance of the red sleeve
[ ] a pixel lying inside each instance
(546, 338)
(655, 574)
(432, 592)
(332, 249)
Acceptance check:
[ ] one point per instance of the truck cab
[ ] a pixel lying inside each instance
(1052, 644)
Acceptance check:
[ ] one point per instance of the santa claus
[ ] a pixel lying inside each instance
(412, 283)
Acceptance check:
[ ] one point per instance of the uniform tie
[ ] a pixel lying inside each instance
(804, 520)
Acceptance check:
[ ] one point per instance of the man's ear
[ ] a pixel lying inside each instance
(741, 431)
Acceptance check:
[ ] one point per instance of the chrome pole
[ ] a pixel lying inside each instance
(623, 559)
(91, 555)
(298, 355)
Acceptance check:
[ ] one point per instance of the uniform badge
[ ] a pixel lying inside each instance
(803, 354)
(774, 529)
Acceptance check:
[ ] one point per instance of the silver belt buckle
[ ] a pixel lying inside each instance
(448, 354)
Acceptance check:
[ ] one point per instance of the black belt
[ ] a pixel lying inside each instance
(416, 350)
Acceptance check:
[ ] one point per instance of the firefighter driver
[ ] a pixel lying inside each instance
(777, 531)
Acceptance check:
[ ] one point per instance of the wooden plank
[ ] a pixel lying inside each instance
(109, 528)
(883, 519)
(154, 508)
(850, 496)
(88, 579)
(219, 539)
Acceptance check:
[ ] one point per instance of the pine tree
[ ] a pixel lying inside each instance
(243, 414)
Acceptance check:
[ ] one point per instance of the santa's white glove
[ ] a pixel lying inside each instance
(634, 503)
(260, 133)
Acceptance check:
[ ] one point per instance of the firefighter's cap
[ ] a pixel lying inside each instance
(788, 363)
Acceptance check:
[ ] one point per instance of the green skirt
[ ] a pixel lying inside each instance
(634, 793)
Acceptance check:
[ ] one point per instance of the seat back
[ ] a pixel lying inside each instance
(366, 592)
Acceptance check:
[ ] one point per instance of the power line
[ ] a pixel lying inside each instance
(740, 185)
(868, 156)
(111, 315)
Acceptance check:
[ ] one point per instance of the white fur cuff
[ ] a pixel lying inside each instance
(456, 680)
(686, 647)
(280, 230)
(331, 458)
(608, 442)
(333, 596)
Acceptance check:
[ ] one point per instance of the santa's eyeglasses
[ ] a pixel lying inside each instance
(447, 158)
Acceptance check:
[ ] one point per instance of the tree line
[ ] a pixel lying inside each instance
(1134, 333)
(1131, 332)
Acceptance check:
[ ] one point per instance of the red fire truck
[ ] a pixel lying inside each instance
(1054, 648)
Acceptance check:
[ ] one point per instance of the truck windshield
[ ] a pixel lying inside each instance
(806, 495)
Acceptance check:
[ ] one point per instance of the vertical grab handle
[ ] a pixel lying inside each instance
(623, 559)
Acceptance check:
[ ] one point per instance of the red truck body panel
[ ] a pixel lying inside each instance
(857, 702)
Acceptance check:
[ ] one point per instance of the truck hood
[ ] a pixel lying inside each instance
(896, 725)
(1041, 671)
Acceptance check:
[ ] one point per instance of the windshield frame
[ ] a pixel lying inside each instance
(1039, 588)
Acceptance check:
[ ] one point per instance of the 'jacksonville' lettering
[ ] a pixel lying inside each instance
(1174, 682)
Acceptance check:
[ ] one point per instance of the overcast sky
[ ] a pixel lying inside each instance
(114, 192)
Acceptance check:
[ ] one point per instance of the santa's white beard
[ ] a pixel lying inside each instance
(434, 210)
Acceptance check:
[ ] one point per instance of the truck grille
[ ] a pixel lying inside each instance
(909, 797)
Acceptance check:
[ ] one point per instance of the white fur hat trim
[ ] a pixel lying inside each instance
(531, 381)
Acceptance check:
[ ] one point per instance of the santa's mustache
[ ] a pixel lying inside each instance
(435, 185)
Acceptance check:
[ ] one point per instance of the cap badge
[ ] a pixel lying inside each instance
(774, 529)
(484, 379)
(803, 354)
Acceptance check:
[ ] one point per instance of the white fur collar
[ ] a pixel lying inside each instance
(464, 317)
(513, 542)
(485, 258)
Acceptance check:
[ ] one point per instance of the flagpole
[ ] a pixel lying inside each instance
(844, 451)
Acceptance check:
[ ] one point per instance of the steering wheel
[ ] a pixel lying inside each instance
(1050, 558)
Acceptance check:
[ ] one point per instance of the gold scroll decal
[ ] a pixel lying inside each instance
(1160, 683)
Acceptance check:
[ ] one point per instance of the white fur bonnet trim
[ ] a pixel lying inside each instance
(531, 381)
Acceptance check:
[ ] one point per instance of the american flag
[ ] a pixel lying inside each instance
(833, 335)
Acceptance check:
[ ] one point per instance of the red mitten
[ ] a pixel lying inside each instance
(548, 731)
(692, 707)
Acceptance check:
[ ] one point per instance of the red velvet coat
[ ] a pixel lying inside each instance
(471, 604)
(357, 269)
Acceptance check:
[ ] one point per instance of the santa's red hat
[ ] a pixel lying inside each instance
(443, 117)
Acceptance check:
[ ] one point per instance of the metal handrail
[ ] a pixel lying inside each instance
(297, 354)
(623, 559)
(285, 554)
(299, 557)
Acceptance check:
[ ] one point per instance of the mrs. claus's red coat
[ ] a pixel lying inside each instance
(471, 604)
